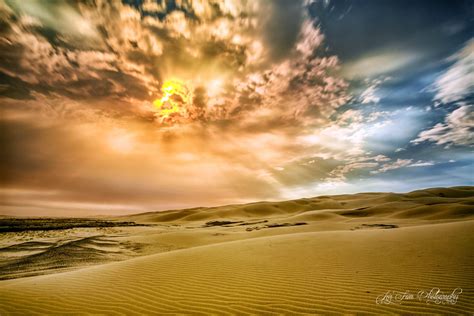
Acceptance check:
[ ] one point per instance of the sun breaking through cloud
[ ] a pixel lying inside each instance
(174, 100)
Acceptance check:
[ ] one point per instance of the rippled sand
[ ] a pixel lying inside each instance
(325, 255)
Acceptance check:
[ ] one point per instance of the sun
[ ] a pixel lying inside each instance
(175, 96)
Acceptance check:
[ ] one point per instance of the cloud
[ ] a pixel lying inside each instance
(454, 86)
(420, 163)
(457, 129)
(402, 163)
(457, 82)
(369, 95)
(346, 137)
(123, 163)
(377, 63)
(340, 172)
(399, 163)
(46, 66)
(251, 98)
(225, 52)
(265, 109)
(360, 163)
(59, 16)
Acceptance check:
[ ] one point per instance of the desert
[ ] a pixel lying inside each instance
(236, 157)
(370, 253)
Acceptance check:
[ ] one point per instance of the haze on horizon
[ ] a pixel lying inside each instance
(115, 107)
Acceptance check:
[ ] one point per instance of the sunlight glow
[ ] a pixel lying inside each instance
(175, 95)
(121, 141)
(213, 88)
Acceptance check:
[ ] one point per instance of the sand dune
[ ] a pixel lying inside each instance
(371, 204)
(36, 258)
(234, 259)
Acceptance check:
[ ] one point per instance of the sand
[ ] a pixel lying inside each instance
(344, 255)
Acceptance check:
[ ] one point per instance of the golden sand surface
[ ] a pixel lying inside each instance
(371, 253)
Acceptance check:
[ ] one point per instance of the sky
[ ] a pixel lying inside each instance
(117, 107)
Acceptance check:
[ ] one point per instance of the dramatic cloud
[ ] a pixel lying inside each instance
(98, 91)
(119, 106)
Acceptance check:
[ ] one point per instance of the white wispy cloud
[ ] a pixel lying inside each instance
(399, 163)
(402, 163)
(457, 129)
(369, 95)
(458, 81)
(421, 163)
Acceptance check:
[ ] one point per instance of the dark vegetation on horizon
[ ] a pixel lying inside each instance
(27, 224)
